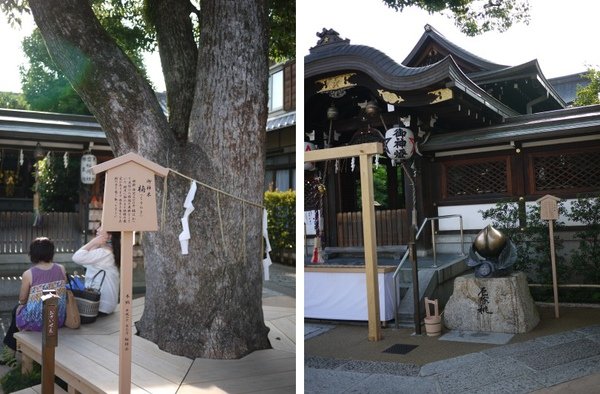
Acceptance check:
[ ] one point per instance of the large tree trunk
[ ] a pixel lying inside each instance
(207, 303)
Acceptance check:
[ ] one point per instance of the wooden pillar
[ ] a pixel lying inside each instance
(370, 245)
(125, 339)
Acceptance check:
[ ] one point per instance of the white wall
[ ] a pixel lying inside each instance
(472, 218)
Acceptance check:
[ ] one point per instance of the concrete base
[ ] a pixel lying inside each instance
(491, 305)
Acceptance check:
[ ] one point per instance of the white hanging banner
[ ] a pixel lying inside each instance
(184, 237)
(267, 260)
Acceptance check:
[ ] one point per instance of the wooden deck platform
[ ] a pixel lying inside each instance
(88, 359)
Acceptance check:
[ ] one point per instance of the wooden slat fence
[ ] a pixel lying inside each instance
(17, 231)
(392, 228)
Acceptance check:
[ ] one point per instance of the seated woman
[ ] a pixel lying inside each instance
(103, 253)
(43, 275)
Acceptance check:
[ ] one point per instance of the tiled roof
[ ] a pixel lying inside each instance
(340, 55)
(541, 126)
(433, 35)
(279, 122)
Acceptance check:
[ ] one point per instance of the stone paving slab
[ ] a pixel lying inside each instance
(465, 362)
(384, 384)
(521, 385)
(566, 372)
(559, 354)
(481, 375)
(322, 362)
(381, 367)
(327, 381)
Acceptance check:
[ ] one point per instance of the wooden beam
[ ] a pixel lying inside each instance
(343, 152)
(369, 239)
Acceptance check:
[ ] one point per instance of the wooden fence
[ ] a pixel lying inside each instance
(17, 231)
(392, 228)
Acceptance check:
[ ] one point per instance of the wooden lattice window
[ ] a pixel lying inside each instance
(476, 178)
(577, 171)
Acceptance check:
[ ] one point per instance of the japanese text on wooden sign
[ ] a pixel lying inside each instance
(129, 199)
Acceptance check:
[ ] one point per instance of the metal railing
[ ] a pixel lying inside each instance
(432, 220)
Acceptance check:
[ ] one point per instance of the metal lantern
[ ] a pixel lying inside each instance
(332, 113)
(308, 165)
(38, 152)
(371, 109)
(87, 162)
(399, 144)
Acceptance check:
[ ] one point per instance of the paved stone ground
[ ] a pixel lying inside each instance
(522, 367)
(282, 279)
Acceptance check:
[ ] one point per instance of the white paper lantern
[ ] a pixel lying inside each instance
(308, 165)
(399, 144)
(87, 162)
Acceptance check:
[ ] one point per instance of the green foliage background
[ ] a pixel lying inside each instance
(58, 186)
(586, 258)
(531, 237)
(589, 95)
(281, 223)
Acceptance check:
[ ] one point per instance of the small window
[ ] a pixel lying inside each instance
(276, 91)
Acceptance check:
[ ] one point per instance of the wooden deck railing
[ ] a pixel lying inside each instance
(392, 228)
(17, 231)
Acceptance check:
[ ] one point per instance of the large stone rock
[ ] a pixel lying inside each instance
(491, 305)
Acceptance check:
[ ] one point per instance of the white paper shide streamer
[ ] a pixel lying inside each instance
(267, 260)
(184, 237)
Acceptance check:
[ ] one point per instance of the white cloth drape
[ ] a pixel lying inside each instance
(184, 237)
(267, 260)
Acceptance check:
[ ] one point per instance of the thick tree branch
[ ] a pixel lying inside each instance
(178, 57)
(104, 77)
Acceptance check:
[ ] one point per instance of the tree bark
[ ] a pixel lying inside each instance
(207, 303)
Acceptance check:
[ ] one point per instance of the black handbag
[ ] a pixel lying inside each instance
(88, 299)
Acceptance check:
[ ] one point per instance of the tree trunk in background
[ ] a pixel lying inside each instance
(207, 303)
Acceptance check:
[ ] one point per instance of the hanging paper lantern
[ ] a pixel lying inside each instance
(308, 165)
(399, 144)
(87, 162)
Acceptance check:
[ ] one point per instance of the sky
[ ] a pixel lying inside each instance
(13, 57)
(562, 38)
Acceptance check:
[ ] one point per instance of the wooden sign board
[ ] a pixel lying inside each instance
(130, 193)
(549, 207)
(129, 199)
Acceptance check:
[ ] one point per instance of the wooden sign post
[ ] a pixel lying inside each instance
(129, 205)
(364, 152)
(49, 338)
(549, 212)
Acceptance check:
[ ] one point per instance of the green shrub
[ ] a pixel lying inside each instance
(281, 209)
(586, 259)
(14, 380)
(58, 186)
